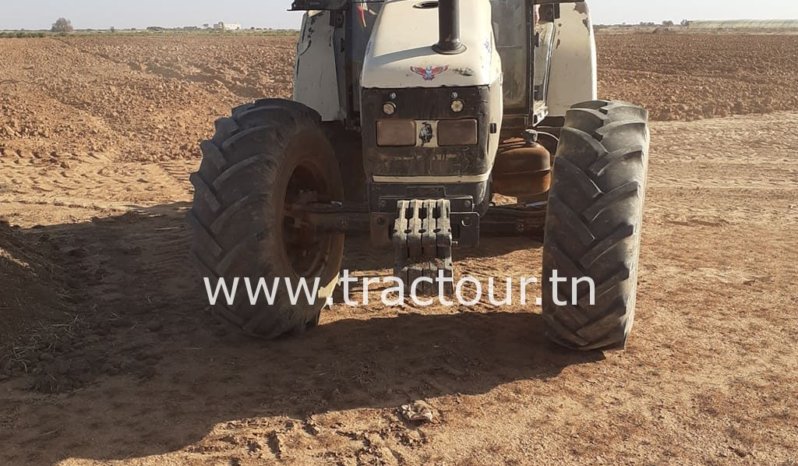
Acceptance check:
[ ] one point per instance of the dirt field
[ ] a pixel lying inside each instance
(110, 355)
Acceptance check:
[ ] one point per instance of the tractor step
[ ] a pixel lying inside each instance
(422, 239)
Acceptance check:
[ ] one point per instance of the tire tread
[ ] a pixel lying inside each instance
(594, 223)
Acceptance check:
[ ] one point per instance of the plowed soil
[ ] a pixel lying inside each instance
(109, 354)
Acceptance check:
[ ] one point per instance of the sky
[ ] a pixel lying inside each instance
(103, 14)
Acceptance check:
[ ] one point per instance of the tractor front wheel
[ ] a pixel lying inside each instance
(593, 225)
(269, 156)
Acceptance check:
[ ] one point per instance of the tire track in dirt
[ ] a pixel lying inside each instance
(190, 389)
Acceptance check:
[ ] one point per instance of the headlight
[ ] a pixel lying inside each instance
(457, 133)
(396, 133)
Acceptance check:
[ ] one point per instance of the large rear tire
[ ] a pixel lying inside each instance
(593, 224)
(269, 155)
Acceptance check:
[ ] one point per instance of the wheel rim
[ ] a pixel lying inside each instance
(306, 248)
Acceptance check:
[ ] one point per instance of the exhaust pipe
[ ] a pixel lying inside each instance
(449, 25)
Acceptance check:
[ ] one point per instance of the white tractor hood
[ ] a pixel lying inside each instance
(400, 53)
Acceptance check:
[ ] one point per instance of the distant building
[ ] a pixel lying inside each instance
(222, 26)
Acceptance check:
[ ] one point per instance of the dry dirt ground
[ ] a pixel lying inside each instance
(109, 354)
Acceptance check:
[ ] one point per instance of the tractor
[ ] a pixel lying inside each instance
(409, 119)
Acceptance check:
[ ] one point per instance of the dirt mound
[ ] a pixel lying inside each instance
(132, 98)
(32, 292)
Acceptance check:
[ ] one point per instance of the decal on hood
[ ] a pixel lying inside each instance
(430, 72)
